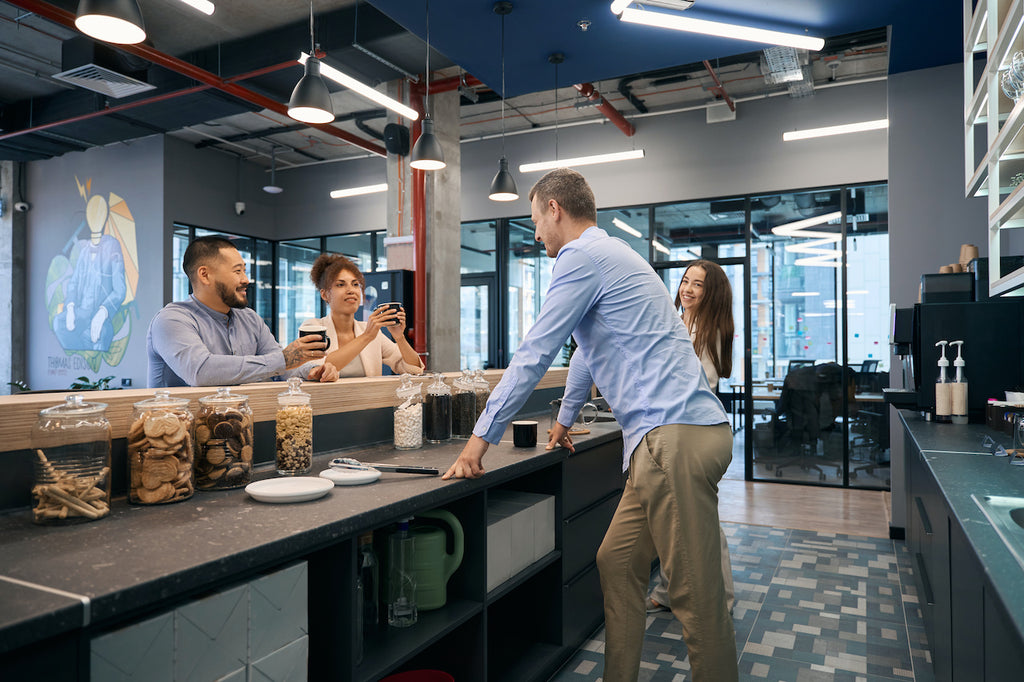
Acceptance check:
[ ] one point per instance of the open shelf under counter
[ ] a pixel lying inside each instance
(523, 575)
(535, 662)
(394, 646)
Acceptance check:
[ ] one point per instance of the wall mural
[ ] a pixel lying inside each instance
(91, 283)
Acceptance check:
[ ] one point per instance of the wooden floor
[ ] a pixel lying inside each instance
(804, 507)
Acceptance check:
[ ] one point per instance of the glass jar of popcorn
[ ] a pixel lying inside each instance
(408, 415)
(160, 451)
(223, 441)
(71, 463)
(294, 430)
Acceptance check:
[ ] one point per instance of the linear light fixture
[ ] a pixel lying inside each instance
(363, 89)
(806, 293)
(820, 256)
(204, 6)
(714, 28)
(622, 225)
(835, 130)
(356, 191)
(581, 161)
(658, 246)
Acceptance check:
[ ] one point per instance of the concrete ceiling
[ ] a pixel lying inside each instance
(256, 42)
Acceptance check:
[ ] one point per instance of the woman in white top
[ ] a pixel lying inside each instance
(359, 349)
(705, 297)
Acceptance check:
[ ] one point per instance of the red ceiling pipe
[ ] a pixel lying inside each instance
(610, 112)
(67, 19)
(718, 88)
(142, 102)
(419, 238)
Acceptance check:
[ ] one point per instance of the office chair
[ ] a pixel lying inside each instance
(799, 364)
(868, 380)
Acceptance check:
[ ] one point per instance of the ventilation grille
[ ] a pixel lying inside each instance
(104, 81)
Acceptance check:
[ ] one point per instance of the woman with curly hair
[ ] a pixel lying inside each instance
(705, 297)
(359, 348)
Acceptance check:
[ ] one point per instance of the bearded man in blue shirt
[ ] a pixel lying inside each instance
(677, 439)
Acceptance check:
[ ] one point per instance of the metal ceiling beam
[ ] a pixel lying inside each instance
(718, 89)
(67, 19)
(588, 91)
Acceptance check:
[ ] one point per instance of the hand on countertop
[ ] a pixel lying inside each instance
(470, 461)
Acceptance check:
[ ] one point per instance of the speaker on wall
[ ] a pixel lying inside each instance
(396, 139)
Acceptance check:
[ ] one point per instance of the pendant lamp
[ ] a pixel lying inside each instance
(503, 186)
(311, 100)
(427, 153)
(272, 188)
(112, 21)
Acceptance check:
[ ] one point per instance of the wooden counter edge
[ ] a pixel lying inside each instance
(20, 412)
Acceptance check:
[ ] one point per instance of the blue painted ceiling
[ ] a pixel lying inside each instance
(923, 34)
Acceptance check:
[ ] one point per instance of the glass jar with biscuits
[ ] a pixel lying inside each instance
(71, 443)
(160, 451)
(294, 430)
(223, 441)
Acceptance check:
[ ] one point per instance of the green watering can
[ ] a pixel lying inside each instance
(432, 565)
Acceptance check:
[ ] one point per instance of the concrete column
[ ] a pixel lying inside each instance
(444, 238)
(12, 278)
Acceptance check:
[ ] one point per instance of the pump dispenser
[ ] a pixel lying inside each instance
(943, 390)
(958, 389)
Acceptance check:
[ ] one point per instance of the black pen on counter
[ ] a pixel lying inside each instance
(349, 463)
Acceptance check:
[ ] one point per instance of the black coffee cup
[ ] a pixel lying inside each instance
(524, 434)
(316, 330)
(393, 308)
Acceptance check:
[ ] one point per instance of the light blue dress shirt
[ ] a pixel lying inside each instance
(630, 341)
(191, 344)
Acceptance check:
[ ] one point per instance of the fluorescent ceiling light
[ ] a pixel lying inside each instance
(805, 293)
(820, 256)
(714, 28)
(860, 291)
(363, 89)
(622, 225)
(835, 130)
(658, 246)
(581, 161)
(204, 6)
(356, 191)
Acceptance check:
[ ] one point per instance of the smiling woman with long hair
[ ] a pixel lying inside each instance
(358, 348)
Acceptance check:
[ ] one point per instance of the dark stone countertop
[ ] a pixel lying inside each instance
(963, 466)
(142, 556)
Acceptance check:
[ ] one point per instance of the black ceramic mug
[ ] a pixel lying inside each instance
(524, 434)
(393, 308)
(316, 330)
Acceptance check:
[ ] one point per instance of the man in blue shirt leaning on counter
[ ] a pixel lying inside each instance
(213, 338)
(678, 443)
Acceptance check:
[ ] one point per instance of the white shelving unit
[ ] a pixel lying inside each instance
(993, 126)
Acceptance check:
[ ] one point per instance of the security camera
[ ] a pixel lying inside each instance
(239, 207)
(22, 206)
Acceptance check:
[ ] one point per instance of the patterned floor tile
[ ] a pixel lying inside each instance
(809, 607)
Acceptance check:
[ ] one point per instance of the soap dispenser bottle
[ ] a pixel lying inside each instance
(943, 399)
(958, 389)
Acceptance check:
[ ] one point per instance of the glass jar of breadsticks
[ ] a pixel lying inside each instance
(71, 457)
(160, 451)
(223, 441)
(294, 430)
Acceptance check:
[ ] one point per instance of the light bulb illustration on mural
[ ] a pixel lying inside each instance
(92, 281)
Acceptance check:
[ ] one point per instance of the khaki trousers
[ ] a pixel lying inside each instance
(659, 592)
(669, 508)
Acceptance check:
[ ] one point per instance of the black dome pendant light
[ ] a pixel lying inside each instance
(427, 153)
(503, 186)
(311, 100)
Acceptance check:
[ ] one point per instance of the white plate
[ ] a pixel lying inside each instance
(298, 489)
(350, 476)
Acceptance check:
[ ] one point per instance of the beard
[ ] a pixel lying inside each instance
(233, 298)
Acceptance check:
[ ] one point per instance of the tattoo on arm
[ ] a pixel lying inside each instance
(292, 357)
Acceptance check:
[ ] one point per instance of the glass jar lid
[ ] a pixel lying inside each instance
(294, 395)
(438, 387)
(74, 406)
(162, 400)
(406, 388)
(224, 398)
(464, 382)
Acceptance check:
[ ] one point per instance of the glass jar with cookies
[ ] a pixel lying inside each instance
(160, 451)
(294, 430)
(223, 441)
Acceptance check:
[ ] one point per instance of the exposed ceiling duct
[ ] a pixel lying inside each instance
(99, 68)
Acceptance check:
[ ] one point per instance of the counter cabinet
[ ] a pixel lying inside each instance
(968, 583)
(522, 629)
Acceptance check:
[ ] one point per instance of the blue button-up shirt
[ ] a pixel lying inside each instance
(191, 344)
(630, 341)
